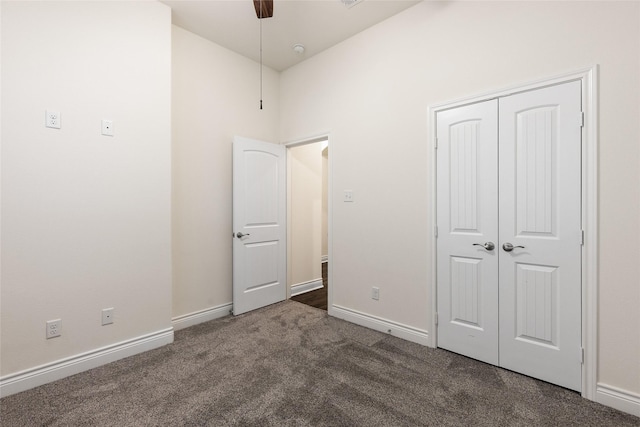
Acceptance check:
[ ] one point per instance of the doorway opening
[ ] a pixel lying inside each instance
(308, 222)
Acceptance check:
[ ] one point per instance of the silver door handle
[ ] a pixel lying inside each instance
(240, 234)
(488, 246)
(508, 247)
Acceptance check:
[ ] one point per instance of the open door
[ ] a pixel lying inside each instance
(259, 224)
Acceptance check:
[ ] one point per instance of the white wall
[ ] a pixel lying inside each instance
(216, 95)
(373, 92)
(306, 213)
(85, 217)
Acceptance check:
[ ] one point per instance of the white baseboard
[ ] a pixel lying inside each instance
(186, 320)
(619, 399)
(325, 258)
(40, 375)
(399, 330)
(311, 285)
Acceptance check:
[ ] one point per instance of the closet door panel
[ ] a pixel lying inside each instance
(540, 216)
(467, 283)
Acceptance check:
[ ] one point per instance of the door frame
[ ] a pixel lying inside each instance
(589, 215)
(326, 136)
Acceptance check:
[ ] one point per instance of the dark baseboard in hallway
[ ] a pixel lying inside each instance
(319, 297)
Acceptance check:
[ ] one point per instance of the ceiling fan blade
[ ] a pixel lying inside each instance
(264, 8)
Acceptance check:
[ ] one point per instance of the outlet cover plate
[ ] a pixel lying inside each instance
(107, 127)
(348, 196)
(107, 316)
(52, 119)
(54, 328)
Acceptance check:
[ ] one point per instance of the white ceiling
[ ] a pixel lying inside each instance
(317, 24)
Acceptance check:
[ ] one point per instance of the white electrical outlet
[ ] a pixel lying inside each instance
(54, 328)
(52, 119)
(375, 293)
(107, 316)
(107, 127)
(348, 196)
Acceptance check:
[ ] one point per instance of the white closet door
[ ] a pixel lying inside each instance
(540, 197)
(467, 284)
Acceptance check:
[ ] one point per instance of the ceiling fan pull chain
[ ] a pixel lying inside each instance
(261, 64)
(264, 9)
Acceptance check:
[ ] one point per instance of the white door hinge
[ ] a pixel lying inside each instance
(435, 231)
(436, 144)
(435, 318)
(581, 119)
(582, 356)
(582, 238)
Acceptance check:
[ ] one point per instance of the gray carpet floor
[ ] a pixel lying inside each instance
(291, 365)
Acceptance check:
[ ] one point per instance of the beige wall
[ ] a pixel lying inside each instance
(306, 213)
(376, 108)
(215, 96)
(85, 218)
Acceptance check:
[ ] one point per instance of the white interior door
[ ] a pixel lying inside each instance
(540, 209)
(259, 224)
(467, 285)
(518, 305)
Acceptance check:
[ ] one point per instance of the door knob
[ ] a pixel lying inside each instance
(240, 234)
(508, 247)
(488, 246)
